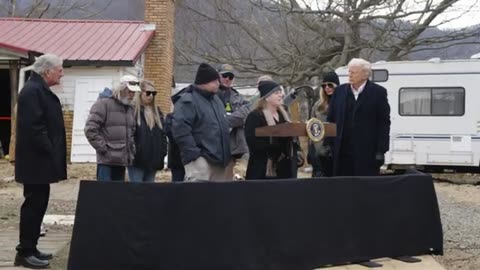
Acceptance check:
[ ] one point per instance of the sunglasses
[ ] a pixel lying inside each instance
(133, 83)
(331, 85)
(228, 75)
(150, 93)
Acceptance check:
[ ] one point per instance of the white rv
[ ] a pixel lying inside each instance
(435, 113)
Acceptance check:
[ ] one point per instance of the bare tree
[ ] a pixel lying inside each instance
(53, 8)
(296, 40)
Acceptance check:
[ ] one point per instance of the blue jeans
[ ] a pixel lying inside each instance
(136, 174)
(110, 173)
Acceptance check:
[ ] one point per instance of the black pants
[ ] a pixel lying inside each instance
(346, 166)
(31, 216)
(323, 167)
(178, 174)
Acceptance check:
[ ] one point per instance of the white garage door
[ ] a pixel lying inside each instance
(86, 93)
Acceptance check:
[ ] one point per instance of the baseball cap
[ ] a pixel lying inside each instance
(226, 68)
(132, 83)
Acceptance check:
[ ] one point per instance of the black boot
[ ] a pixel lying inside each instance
(30, 262)
(43, 256)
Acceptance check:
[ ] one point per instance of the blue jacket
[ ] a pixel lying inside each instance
(200, 128)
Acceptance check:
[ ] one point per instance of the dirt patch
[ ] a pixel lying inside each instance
(60, 261)
(458, 178)
(460, 193)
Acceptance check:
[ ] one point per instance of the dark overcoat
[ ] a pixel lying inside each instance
(41, 153)
(370, 130)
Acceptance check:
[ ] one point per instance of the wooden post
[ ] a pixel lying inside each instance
(14, 69)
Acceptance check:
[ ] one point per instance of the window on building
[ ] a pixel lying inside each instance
(379, 75)
(432, 101)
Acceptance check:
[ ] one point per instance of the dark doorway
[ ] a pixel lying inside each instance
(5, 109)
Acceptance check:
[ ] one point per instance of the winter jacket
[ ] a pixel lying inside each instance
(199, 127)
(150, 145)
(368, 132)
(240, 108)
(110, 129)
(41, 148)
(263, 148)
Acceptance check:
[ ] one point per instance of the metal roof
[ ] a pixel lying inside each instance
(76, 41)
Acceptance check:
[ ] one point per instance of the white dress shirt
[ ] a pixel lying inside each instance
(356, 92)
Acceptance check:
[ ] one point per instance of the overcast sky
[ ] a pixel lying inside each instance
(464, 13)
(460, 18)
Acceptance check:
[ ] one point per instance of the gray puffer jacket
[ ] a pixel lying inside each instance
(110, 129)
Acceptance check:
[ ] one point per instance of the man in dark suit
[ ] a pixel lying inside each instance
(362, 114)
(40, 154)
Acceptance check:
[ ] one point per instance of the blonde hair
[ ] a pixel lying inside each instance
(322, 103)
(260, 104)
(146, 85)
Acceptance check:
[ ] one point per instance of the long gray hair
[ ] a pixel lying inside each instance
(118, 90)
(146, 85)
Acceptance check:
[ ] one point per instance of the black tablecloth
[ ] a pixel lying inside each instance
(250, 225)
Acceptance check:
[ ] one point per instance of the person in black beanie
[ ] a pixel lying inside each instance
(320, 153)
(270, 157)
(200, 128)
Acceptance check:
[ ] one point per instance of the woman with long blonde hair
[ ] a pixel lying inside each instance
(150, 137)
(270, 157)
(319, 153)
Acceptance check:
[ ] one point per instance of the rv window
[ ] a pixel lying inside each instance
(448, 101)
(379, 75)
(432, 101)
(415, 101)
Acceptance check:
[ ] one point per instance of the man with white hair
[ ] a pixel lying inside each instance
(40, 154)
(110, 129)
(362, 114)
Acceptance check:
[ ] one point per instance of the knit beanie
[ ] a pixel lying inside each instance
(206, 74)
(331, 77)
(266, 88)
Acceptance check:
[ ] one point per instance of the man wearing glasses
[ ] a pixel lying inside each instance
(237, 109)
(110, 130)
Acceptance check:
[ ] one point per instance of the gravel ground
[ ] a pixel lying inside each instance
(460, 212)
(459, 207)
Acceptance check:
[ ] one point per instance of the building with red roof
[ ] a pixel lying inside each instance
(95, 53)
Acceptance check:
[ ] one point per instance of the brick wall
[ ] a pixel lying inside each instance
(68, 119)
(158, 65)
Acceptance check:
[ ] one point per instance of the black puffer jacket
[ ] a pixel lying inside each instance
(151, 145)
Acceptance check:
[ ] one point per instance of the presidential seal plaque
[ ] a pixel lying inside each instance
(315, 130)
